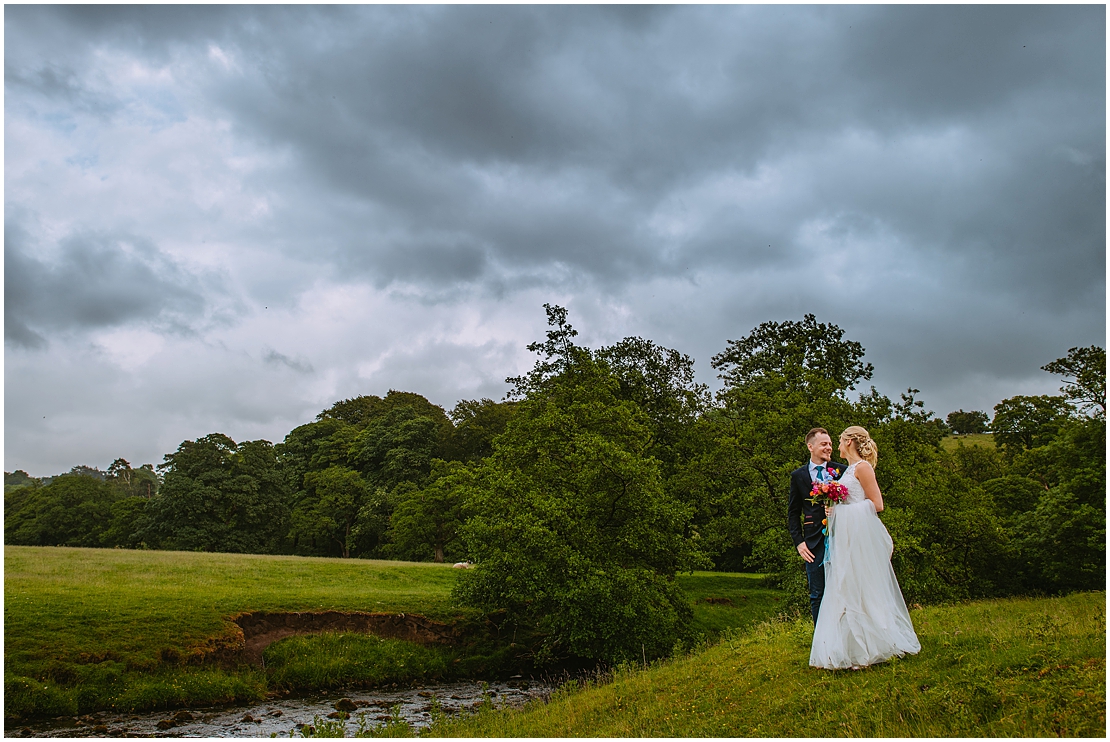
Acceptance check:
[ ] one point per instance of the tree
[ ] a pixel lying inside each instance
(1013, 494)
(219, 496)
(1022, 422)
(948, 540)
(941, 427)
(18, 485)
(426, 522)
(362, 412)
(88, 471)
(964, 423)
(331, 507)
(398, 447)
(314, 447)
(73, 510)
(141, 482)
(572, 532)
(358, 411)
(128, 516)
(369, 536)
(17, 478)
(1064, 535)
(1084, 372)
(805, 354)
(947, 536)
(778, 385)
(660, 381)
(389, 442)
(477, 423)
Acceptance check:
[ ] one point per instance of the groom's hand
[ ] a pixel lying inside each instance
(805, 552)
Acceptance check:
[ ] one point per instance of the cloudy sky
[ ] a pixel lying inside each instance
(227, 218)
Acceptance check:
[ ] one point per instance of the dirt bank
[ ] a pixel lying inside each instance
(260, 630)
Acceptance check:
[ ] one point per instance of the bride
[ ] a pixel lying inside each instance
(863, 618)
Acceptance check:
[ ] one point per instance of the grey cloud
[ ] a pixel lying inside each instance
(94, 279)
(58, 83)
(594, 116)
(923, 63)
(151, 30)
(272, 357)
(405, 120)
(681, 168)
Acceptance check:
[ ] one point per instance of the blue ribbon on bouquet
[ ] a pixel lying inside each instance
(828, 542)
(825, 530)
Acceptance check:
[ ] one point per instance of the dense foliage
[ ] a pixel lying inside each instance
(606, 472)
(573, 531)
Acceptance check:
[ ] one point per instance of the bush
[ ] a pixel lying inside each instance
(572, 531)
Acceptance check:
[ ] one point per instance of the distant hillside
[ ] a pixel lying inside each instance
(984, 440)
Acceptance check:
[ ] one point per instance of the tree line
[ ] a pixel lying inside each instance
(605, 472)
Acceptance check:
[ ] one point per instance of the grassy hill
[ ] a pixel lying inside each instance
(86, 629)
(1029, 667)
(982, 440)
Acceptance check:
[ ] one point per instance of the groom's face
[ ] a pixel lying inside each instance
(820, 448)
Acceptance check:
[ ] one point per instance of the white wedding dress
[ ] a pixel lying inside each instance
(863, 617)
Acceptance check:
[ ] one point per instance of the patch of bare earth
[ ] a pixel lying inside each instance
(260, 630)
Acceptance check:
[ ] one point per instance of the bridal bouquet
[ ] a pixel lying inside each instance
(828, 493)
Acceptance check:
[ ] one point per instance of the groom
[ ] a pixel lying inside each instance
(806, 520)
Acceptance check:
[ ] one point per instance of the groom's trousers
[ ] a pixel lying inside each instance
(815, 575)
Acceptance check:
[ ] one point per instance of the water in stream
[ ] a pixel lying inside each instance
(282, 715)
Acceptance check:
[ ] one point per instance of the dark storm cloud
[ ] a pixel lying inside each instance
(150, 30)
(925, 63)
(593, 122)
(594, 117)
(678, 172)
(92, 280)
(61, 84)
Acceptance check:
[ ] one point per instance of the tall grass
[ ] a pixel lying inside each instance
(1023, 667)
(338, 660)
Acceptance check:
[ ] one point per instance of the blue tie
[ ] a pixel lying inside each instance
(820, 474)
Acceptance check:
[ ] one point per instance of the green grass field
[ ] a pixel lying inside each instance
(86, 629)
(999, 668)
(982, 440)
(61, 602)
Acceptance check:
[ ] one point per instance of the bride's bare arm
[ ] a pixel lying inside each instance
(866, 476)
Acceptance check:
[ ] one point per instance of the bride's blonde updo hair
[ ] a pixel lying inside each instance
(865, 446)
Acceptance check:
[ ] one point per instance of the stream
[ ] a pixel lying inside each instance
(282, 715)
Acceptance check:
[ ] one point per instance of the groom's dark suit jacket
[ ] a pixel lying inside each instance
(802, 517)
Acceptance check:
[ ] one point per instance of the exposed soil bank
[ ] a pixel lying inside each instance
(260, 630)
